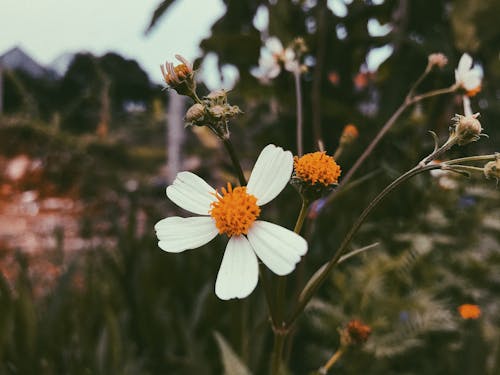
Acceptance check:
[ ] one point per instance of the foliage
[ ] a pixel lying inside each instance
(125, 307)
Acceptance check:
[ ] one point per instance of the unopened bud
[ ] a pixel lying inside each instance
(355, 333)
(179, 77)
(467, 129)
(217, 96)
(492, 168)
(437, 59)
(349, 134)
(195, 115)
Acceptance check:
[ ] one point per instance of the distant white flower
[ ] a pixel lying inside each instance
(234, 212)
(467, 77)
(272, 56)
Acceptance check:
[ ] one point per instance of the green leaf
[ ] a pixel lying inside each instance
(230, 360)
(158, 13)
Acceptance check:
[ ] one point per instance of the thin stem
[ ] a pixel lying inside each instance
(419, 81)
(235, 161)
(466, 168)
(387, 126)
(338, 152)
(334, 358)
(280, 334)
(298, 95)
(374, 143)
(302, 216)
(469, 159)
(279, 343)
(450, 142)
(314, 285)
(430, 94)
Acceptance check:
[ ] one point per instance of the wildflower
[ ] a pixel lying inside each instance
(317, 168)
(355, 333)
(273, 55)
(234, 212)
(468, 311)
(437, 59)
(466, 77)
(315, 174)
(349, 134)
(466, 129)
(179, 77)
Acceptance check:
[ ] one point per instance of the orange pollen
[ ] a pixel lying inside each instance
(234, 211)
(181, 70)
(468, 311)
(317, 167)
(474, 91)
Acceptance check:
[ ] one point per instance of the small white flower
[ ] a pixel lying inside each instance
(272, 56)
(467, 77)
(234, 213)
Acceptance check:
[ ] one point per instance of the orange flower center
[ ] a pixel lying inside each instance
(317, 167)
(182, 71)
(234, 211)
(468, 311)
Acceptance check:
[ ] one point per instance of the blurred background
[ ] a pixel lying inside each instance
(89, 139)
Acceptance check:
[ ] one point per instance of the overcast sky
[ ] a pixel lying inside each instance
(45, 29)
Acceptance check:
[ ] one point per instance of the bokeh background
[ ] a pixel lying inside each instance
(88, 145)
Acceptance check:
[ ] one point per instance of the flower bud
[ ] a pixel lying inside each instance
(217, 96)
(466, 129)
(349, 134)
(179, 77)
(355, 333)
(492, 168)
(195, 115)
(437, 59)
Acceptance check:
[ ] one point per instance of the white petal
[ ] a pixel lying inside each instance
(279, 248)
(239, 270)
(472, 80)
(464, 64)
(270, 174)
(176, 234)
(192, 193)
(274, 45)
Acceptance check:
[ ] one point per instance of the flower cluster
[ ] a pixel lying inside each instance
(315, 174)
(213, 111)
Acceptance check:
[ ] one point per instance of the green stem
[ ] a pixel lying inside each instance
(334, 358)
(235, 161)
(298, 94)
(314, 285)
(469, 159)
(278, 323)
(279, 344)
(387, 126)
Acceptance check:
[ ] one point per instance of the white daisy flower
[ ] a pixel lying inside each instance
(234, 212)
(467, 77)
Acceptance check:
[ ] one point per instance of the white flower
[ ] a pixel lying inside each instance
(272, 56)
(467, 77)
(234, 213)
